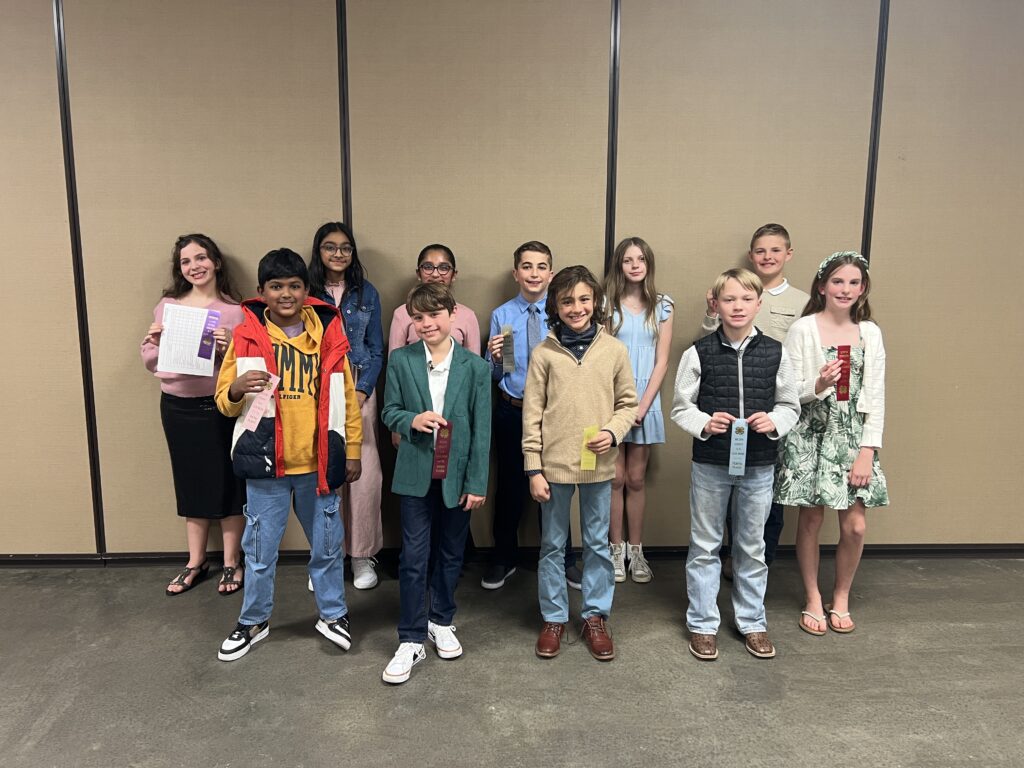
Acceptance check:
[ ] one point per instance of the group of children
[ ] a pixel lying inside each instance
(578, 366)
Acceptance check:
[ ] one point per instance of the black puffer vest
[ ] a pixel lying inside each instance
(721, 389)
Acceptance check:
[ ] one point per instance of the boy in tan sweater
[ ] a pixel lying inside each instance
(579, 402)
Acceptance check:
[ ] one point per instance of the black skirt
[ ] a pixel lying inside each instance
(199, 441)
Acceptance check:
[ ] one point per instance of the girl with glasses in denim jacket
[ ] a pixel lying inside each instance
(337, 276)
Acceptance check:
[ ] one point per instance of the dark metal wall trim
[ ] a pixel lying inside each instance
(876, 127)
(78, 268)
(346, 156)
(613, 134)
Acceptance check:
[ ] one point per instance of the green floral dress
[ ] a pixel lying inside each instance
(814, 464)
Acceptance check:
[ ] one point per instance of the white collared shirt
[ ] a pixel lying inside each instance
(780, 288)
(437, 377)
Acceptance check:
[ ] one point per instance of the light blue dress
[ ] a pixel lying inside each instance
(642, 344)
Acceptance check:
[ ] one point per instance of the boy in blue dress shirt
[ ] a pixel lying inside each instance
(525, 315)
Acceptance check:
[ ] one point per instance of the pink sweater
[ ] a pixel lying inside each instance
(182, 384)
(465, 329)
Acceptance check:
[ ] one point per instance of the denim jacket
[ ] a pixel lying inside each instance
(363, 328)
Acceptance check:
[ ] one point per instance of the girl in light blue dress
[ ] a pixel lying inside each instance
(641, 318)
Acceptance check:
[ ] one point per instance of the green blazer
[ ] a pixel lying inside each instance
(467, 407)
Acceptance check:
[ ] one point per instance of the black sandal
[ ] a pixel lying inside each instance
(227, 578)
(201, 572)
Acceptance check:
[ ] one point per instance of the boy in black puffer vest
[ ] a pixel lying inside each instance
(736, 393)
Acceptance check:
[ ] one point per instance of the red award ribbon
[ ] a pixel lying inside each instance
(442, 450)
(843, 385)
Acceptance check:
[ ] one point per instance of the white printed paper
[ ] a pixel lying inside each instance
(181, 340)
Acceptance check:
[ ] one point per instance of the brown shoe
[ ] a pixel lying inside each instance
(704, 647)
(550, 641)
(595, 633)
(759, 645)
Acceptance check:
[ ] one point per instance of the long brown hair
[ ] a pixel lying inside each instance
(180, 285)
(861, 309)
(615, 287)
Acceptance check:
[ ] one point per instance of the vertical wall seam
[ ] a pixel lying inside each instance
(78, 269)
(343, 114)
(876, 127)
(613, 134)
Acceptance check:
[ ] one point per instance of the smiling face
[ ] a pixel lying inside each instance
(769, 255)
(842, 288)
(284, 297)
(432, 326)
(737, 306)
(436, 268)
(533, 274)
(576, 307)
(196, 265)
(336, 255)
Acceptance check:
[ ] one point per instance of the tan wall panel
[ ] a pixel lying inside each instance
(47, 506)
(189, 116)
(733, 115)
(947, 247)
(481, 126)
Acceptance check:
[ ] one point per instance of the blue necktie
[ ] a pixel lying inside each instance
(532, 330)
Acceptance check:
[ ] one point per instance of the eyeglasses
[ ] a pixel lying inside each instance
(442, 269)
(330, 249)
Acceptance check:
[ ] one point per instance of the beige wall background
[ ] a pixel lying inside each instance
(186, 120)
(733, 115)
(481, 126)
(47, 504)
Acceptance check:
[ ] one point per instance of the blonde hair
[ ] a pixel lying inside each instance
(743, 276)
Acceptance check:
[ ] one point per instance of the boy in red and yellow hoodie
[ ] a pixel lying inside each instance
(306, 442)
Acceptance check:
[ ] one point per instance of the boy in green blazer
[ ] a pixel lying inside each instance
(437, 397)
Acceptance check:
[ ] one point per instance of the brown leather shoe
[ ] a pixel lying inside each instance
(550, 641)
(595, 633)
(704, 647)
(759, 645)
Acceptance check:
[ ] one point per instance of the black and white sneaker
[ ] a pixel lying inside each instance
(496, 576)
(336, 631)
(242, 639)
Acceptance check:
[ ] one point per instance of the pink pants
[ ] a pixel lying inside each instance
(361, 499)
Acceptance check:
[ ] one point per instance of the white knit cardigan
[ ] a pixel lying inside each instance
(804, 346)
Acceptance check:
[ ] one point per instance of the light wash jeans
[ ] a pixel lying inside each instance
(710, 487)
(598, 574)
(266, 515)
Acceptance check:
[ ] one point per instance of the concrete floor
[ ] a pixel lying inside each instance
(98, 668)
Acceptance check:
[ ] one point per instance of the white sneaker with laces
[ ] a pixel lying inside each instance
(363, 574)
(619, 561)
(639, 570)
(445, 642)
(401, 664)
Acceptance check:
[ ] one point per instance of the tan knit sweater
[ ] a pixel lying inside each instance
(564, 396)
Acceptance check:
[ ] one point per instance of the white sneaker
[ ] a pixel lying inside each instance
(619, 561)
(639, 570)
(445, 642)
(363, 575)
(244, 637)
(401, 664)
(309, 584)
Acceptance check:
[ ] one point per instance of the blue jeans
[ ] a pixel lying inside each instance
(598, 574)
(433, 543)
(772, 533)
(266, 515)
(710, 487)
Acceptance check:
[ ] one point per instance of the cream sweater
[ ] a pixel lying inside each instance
(804, 346)
(564, 396)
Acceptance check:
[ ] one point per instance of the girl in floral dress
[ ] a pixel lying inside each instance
(830, 459)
